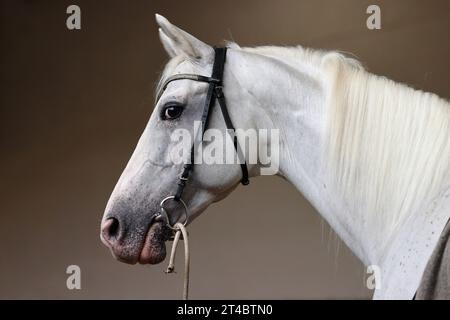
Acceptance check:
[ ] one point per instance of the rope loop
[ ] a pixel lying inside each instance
(180, 229)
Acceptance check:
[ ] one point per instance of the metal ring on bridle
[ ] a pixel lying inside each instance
(164, 213)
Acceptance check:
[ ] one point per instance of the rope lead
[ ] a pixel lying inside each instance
(180, 229)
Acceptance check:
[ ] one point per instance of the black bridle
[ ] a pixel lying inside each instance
(215, 91)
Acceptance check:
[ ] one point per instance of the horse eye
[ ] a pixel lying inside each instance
(171, 112)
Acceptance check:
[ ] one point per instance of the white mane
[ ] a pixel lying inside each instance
(388, 145)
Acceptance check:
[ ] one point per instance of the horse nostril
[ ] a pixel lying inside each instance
(114, 228)
(110, 229)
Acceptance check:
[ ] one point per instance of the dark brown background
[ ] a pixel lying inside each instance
(73, 104)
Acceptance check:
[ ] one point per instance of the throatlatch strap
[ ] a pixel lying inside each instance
(221, 98)
(218, 93)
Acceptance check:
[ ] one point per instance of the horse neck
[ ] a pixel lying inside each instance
(311, 103)
(292, 99)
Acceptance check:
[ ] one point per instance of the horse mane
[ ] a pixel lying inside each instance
(387, 145)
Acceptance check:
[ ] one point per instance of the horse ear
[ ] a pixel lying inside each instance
(178, 42)
(167, 44)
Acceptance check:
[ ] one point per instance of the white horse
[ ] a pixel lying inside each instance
(371, 155)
